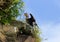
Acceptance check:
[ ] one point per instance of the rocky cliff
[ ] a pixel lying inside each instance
(8, 33)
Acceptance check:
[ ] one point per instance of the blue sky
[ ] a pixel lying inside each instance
(47, 15)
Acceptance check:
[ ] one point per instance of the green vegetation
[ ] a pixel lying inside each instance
(9, 10)
(36, 34)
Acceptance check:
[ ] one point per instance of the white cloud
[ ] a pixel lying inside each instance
(51, 32)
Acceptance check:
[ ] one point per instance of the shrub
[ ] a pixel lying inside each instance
(9, 10)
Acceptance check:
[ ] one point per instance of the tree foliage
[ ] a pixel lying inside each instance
(10, 9)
